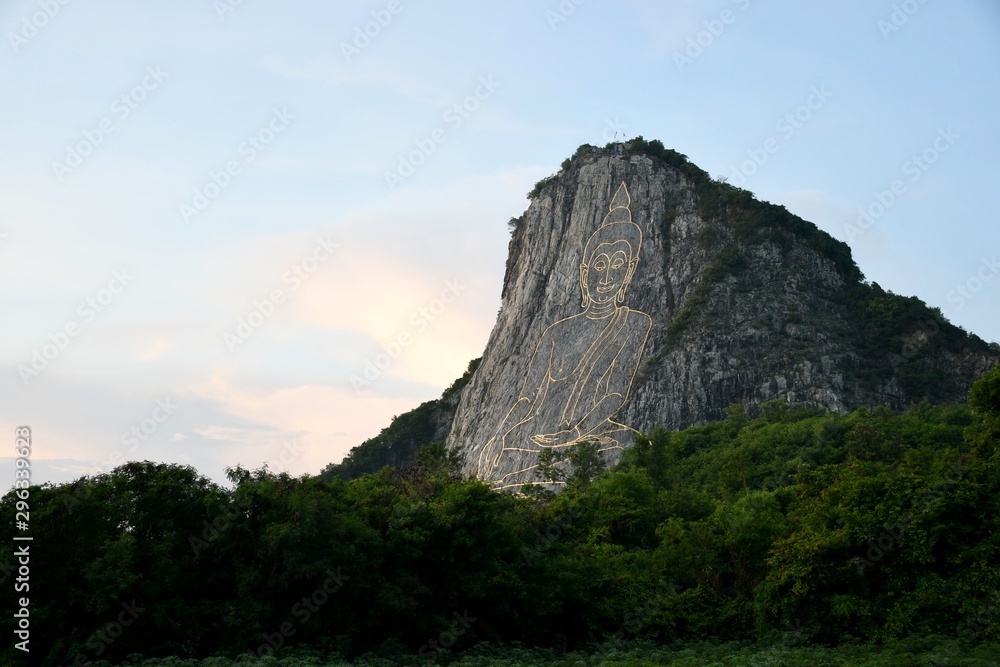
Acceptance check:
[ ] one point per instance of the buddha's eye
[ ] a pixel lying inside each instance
(600, 265)
(617, 263)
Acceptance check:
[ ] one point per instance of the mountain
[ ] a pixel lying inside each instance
(398, 443)
(639, 292)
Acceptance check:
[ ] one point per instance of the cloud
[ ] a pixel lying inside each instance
(317, 424)
(285, 396)
(366, 73)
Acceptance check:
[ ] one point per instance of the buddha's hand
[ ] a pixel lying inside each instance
(489, 459)
(557, 439)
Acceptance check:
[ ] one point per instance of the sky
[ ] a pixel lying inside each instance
(250, 232)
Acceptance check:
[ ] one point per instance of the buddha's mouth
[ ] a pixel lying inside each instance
(604, 289)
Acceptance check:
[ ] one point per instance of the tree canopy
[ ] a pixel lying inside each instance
(868, 526)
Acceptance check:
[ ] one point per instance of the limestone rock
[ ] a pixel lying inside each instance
(640, 293)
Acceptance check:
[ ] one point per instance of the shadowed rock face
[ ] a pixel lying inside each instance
(631, 301)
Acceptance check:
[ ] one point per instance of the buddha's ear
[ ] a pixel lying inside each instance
(584, 269)
(620, 297)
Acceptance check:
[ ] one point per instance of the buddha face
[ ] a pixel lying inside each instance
(606, 275)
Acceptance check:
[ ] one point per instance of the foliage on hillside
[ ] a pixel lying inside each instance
(784, 649)
(398, 443)
(867, 527)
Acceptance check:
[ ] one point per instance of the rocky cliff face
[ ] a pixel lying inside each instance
(640, 293)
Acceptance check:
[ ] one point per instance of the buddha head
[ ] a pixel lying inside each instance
(610, 256)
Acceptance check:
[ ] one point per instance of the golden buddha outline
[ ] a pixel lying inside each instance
(582, 370)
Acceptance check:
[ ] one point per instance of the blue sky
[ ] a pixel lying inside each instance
(249, 232)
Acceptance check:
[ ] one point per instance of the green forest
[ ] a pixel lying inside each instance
(796, 537)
